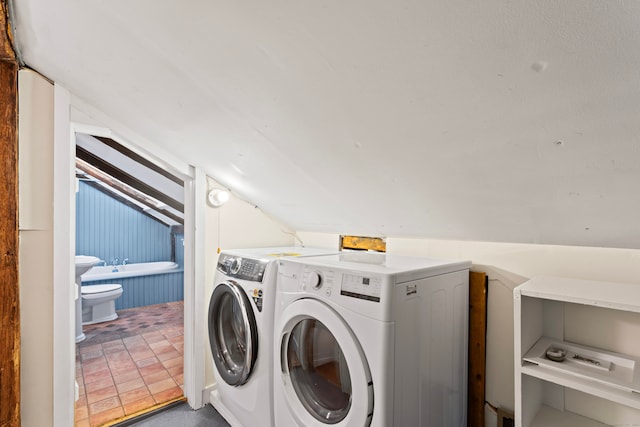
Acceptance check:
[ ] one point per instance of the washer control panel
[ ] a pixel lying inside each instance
(242, 268)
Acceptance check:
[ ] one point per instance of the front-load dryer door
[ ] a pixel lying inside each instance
(233, 334)
(324, 373)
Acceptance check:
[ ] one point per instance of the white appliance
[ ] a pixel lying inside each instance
(371, 339)
(240, 323)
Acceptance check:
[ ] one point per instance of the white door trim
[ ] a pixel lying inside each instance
(194, 275)
(64, 243)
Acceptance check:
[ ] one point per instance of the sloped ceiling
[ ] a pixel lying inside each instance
(514, 121)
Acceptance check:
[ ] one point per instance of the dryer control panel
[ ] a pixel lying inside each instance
(361, 287)
(242, 268)
(350, 284)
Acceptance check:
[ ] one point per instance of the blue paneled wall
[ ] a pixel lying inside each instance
(109, 229)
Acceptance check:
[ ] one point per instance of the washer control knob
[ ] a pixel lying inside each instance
(315, 280)
(234, 266)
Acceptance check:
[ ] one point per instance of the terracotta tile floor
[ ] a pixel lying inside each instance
(130, 364)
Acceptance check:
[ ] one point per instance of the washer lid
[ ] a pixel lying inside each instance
(99, 289)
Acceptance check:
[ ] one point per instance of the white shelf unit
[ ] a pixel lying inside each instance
(540, 306)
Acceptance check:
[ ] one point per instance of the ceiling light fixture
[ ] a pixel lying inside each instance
(217, 197)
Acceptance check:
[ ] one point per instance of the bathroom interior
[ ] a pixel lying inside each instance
(129, 265)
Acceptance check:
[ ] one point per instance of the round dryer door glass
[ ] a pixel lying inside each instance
(319, 372)
(232, 333)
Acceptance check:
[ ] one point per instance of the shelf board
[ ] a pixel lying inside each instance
(549, 417)
(618, 296)
(595, 388)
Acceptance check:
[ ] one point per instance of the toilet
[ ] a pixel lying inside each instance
(99, 303)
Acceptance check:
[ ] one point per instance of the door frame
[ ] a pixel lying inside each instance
(64, 233)
(64, 252)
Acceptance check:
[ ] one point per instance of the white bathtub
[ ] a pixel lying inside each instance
(129, 270)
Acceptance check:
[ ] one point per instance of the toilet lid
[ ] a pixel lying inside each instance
(98, 289)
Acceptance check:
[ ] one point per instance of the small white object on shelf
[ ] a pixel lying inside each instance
(609, 368)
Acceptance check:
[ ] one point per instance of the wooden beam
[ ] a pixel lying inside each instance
(122, 176)
(115, 184)
(6, 38)
(477, 348)
(9, 290)
(139, 159)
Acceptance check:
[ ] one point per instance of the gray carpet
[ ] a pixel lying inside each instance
(179, 415)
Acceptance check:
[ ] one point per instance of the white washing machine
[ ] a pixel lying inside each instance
(371, 339)
(240, 323)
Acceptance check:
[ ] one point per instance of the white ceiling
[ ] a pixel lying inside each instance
(497, 120)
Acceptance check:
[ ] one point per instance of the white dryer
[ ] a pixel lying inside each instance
(371, 339)
(240, 323)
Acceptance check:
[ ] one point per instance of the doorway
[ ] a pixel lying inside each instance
(129, 214)
(194, 263)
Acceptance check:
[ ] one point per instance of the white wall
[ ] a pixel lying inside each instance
(36, 97)
(509, 265)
